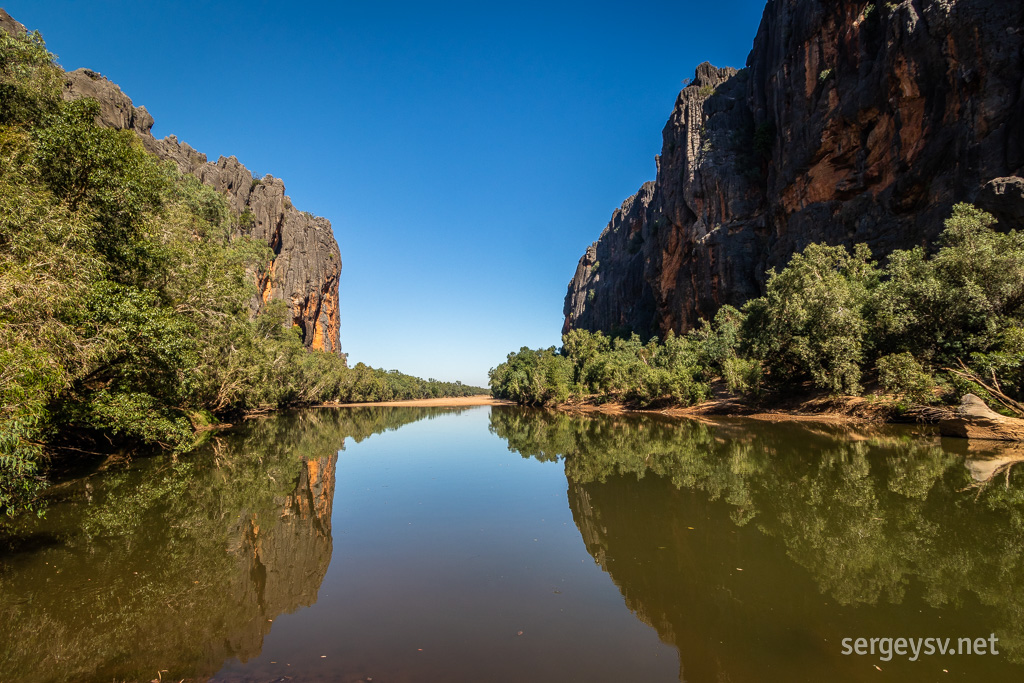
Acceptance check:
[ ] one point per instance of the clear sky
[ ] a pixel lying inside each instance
(466, 153)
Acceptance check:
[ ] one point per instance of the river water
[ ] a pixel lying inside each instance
(506, 544)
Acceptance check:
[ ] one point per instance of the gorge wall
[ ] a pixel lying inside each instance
(853, 121)
(306, 262)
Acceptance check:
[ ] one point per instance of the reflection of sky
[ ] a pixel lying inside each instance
(446, 541)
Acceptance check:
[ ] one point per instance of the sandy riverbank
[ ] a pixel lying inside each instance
(448, 402)
(842, 409)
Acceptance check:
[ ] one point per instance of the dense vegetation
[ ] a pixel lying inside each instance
(926, 328)
(125, 294)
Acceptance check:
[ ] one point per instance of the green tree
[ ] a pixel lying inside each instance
(30, 83)
(531, 377)
(810, 324)
(958, 301)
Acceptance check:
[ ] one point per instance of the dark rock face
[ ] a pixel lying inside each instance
(307, 262)
(853, 122)
(10, 25)
(614, 266)
(1004, 198)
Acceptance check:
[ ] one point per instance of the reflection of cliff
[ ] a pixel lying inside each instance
(281, 561)
(179, 566)
(154, 588)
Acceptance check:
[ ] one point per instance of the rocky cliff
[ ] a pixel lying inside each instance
(307, 262)
(853, 121)
(306, 265)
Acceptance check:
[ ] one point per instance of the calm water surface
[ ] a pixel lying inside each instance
(503, 544)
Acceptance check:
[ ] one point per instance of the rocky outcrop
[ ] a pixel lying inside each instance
(306, 265)
(973, 419)
(614, 265)
(852, 122)
(1004, 197)
(10, 25)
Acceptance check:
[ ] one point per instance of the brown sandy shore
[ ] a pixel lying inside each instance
(707, 411)
(448, 402)
(835, 409)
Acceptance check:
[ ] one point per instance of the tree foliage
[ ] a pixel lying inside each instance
(811, 319)
(831, 320)
(591, 364)
(125, 296)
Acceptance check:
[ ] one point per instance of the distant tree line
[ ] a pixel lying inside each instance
(925, 329)
(124, 299)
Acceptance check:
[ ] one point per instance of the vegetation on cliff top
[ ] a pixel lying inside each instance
(124, 296)
(926, 327)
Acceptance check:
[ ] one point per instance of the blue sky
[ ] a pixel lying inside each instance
(466, 153)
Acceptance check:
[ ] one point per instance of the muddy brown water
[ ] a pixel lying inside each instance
(506, 544)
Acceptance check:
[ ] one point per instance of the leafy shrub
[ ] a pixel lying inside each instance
(30, 83)
(742, 375)
(531, 377)
(590, 364)
(811, 322)
(900, 374)
(246, 219)
(958, 301)
(1004, 362)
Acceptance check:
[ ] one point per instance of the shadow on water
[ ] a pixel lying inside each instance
(179, 565)
(754, 549)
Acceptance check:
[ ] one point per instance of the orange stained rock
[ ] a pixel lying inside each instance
(266, 283)
(910, 106)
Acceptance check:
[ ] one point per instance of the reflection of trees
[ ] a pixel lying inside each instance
(868, 520)
(596, 447)
(180, 566)
(869, 514)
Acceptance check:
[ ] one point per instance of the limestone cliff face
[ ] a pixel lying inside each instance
(614, 265)
(853, 121)
(307, 262)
